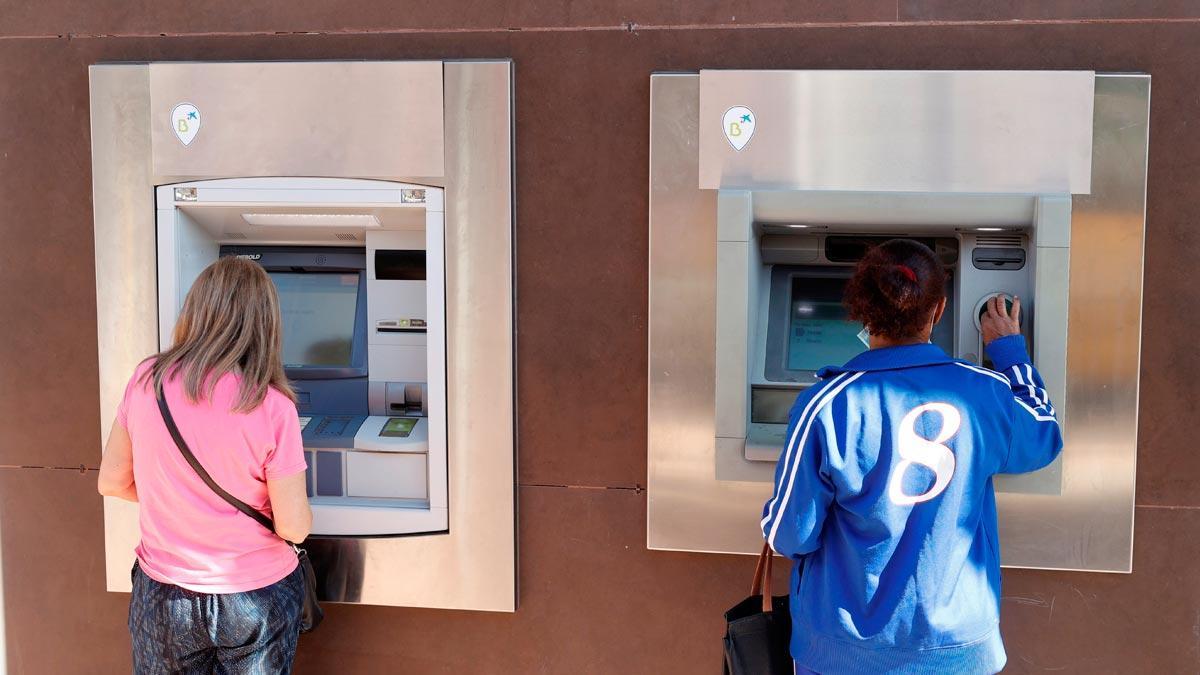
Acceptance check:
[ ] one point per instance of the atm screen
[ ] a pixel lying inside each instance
(819, 334)
(318, 317)
(808, 326)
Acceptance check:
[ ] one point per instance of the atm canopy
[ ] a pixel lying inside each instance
(1026, 132)
(370, 119)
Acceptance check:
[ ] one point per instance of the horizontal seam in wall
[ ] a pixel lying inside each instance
(80, 468)
(630, 488)
(628, 27)
(83, 469)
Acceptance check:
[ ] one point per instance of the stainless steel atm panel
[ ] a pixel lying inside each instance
(763, 183)
(386, 189)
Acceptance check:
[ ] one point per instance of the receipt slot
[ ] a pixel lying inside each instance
(377, 196)
(767, 187)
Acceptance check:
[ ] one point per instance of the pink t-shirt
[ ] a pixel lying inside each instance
(190, 536)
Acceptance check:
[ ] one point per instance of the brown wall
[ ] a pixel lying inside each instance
(593, 599)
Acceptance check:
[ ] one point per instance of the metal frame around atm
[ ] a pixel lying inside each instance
(473, 566)
(1089, 526)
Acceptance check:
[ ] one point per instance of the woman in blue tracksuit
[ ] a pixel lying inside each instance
(884, 489)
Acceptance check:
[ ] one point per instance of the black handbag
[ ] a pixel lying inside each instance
(311, 614)
(758, 630)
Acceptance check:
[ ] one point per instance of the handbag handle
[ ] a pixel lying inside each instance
(236, 503)
(762, 577)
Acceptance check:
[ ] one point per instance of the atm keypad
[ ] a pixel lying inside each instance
(332, 425)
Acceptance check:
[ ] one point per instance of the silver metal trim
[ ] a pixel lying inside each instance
(471, 567)
(1088, 527)
(300, 118)
(972, 131)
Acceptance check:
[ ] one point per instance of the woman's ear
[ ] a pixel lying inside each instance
(939, 311)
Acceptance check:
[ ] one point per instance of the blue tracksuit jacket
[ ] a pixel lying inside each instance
(884, 490)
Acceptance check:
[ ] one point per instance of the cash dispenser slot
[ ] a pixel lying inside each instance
(404, 398)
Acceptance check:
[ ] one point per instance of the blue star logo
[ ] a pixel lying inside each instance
(746, 118)
(192, 115)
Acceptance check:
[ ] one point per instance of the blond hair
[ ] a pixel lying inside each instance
(230, 323)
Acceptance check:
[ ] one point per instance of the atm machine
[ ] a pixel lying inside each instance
(378, 198)
(797, 253)
(767, 187)
(361, 281)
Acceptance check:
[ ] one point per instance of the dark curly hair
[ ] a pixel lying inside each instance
(895, 288)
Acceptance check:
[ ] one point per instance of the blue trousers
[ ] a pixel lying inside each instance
(177, 631)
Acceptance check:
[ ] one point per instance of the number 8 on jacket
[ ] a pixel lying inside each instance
(932, 454)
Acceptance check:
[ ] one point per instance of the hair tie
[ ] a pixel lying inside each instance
(908, 272)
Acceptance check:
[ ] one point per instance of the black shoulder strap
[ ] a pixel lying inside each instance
(200, 471)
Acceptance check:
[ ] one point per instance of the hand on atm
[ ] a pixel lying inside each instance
(1001, 318)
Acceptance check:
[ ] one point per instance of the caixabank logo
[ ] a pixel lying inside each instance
(185, 122)
(738, 125)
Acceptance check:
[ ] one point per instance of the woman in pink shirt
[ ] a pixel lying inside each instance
(213, 590)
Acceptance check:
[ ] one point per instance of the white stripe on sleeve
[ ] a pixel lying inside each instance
(1042, 397)
(1028, 385)
(990, 373)
(791, 444)
(795, 465)
(1036, 415)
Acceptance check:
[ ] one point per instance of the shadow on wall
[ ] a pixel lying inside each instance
(338, 564)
